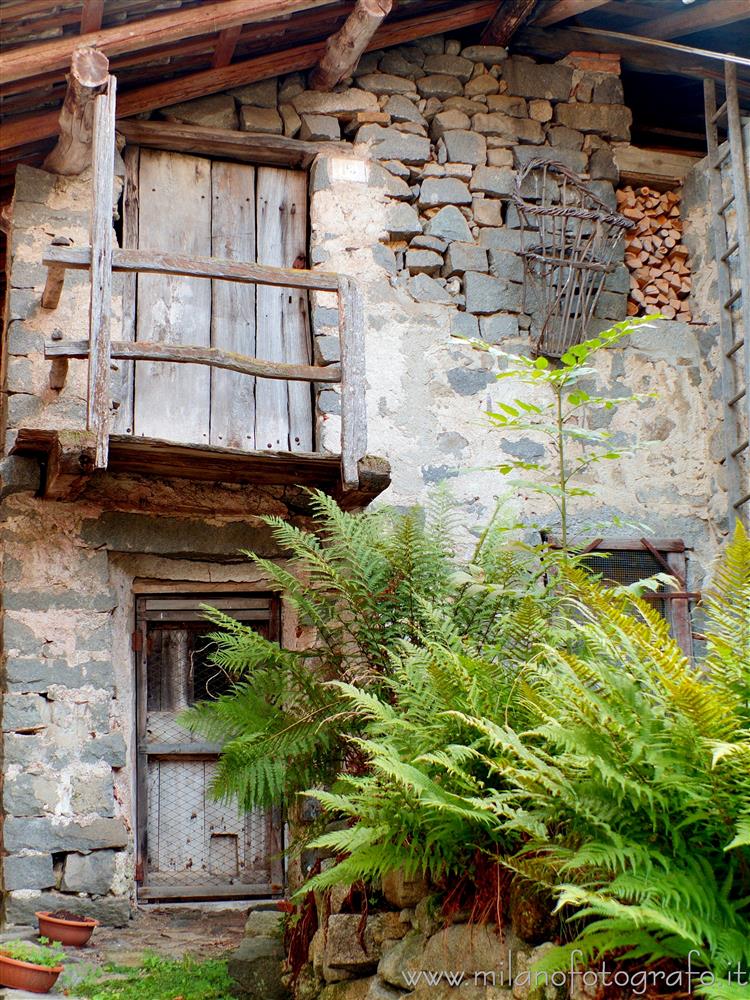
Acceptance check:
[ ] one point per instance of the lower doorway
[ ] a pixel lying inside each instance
(189, 846)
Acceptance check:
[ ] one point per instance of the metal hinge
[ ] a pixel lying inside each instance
(139, 871)
(136, 641)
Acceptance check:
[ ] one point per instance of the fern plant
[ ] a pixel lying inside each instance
(364, 584)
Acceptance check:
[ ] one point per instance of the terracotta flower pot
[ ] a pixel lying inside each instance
(25, 976)
(69, 933)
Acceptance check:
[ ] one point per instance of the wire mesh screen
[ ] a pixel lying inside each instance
(195, 845)
(625, 567)
(569, 243)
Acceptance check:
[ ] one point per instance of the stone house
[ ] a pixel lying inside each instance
(344, 225)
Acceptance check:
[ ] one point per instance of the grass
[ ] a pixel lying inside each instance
(159, 979)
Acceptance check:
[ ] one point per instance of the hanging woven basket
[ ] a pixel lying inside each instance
(570, 241)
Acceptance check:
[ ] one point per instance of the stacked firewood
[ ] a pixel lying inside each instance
(654, 253)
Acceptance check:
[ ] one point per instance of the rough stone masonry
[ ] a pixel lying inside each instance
(412, 198)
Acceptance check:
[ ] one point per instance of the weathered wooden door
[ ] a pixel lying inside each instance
(189, 845)
(192, 205)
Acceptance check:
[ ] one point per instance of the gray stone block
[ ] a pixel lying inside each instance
(506, 264)
(22, 341)
(24, 713)
(262, 94)
(450, 65)
(523, 449)
(110, 748)
(487, 211)
(391, 144)
(401, 109)
(402, 221)
(500, 239)
(94, 794)
(602, 166)
(490, 55)
(314, 102)
(469, 381)
(508, 104)
(395, 63)
(618, 280)
(429, 243)
(464, 146)
(463, 324)
(327, 350)
(463, 257)
(612, 120)
(18, 475)
(425, 289)
(446, 121)
(216, 111)
(423, 261)
(497, 328)
(439, 191)
(481, 86)
(29, 795)
(608, 90)
(320, 128)
(256, 967)
(89, 872)
(494, 180)
(329, 401)
(35, 600)
(265, 120)
(112, 911)
(449, 224)
(565, 138)
(529, 79)
(54, 834)
(570, 158)
(486, 294)
(386, 84)
(29, 871)
(384, 257)
(508, 128)
(439, 85)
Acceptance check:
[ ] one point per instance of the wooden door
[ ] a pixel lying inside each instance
(236, 211)
(190, 845)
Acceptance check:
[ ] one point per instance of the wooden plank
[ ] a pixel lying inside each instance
(345, 46)
(70, 462)
(173, 401)
(560, 10)
(100, 301)
(225, 46)
(89, 73)
(246, 147)
(283, 414)
(32, 128)
(91, 16)
(240, 890)
(29, 61)
(211, 356)
(123, 379)
(653, 163)
(353, 411)
(233, 304)
(701, 17)
(506, 20)
(196, 266)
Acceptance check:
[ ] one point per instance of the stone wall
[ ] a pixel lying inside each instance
(412, 198)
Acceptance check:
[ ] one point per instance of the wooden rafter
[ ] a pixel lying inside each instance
(89, 73)
(507, 19)
(91, 16)
(344, 48)
(225, 46)
(560, 10)
(33, 128)
(30, 61)
(700, 17)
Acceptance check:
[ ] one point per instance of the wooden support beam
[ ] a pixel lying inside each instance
(246, 147)
(134, 36)
(560, 10)
(70, 461)
(353, 403)
(58, 373)
(225, 45)
(156, 262)
(91, 16)
(100, 302)
(698, 17)
(89, 72)
(344, 48)
(127, 350)
(507, 19)
(55, 278)
(32, 128)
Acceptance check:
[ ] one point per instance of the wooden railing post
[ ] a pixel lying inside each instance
(103, 161)
(353, 404)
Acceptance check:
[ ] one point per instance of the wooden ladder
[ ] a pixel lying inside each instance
(727, 163)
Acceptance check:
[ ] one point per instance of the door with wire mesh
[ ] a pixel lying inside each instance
(191, 846)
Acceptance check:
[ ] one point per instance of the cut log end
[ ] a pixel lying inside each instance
(89, 72)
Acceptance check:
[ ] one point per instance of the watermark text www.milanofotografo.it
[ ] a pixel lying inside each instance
(638, 981)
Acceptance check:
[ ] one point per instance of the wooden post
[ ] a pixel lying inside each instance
(103, 152)
(344, 48)
(53, 286)
(86, 80)
(353, 410)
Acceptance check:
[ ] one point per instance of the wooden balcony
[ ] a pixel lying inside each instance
(69, 458)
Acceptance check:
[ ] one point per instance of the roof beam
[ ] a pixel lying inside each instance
(507, 19)
(91, 16)
(32, 128)
(560, 10)
(133, 36)
(225, 46)
(344, 48)
(699, 18)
